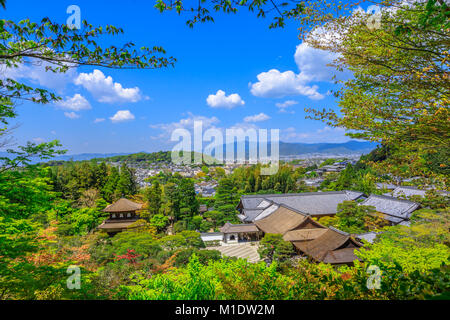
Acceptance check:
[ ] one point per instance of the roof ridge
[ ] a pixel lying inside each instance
(294, 194)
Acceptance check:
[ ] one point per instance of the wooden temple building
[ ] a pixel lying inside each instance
(233, 233)
(309, 237)
(122, 214)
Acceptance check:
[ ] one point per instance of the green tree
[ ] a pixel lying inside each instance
(127, 183)
(153, 196)
(353, 218)
(159, 221)
(111, 184)
(399, 92)
(272, 247)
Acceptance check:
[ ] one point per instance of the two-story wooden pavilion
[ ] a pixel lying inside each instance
(122, 214)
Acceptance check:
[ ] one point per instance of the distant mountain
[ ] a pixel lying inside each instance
(296, 149)
(286, 149)
(74, 157)
(349, 147)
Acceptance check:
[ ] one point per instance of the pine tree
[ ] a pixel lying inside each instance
(111, 184)
(126, 185)
(153, 196)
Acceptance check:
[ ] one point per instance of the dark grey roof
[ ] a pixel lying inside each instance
(313, 203)
(384, 185)
(368, 236)
(408, 191)
(251, 214)
(395, 210)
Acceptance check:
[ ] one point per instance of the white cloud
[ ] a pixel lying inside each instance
(99, 120)
(314, 64)
(220, 100)
(36, 73)
(71, 115)
(276, 84)
(104, 89)
(257, 118)
(286, 104)
(121, 116)
(283, 106)
(75, 103)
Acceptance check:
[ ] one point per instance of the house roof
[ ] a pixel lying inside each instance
(319, 249)
(341, 256)
(280, 221)
(123, 205)
(111, 224)
(395, 210)
(384, 185)
(304, 234)
(238, 228)
(313, 203)
(408, 191)
(368, 236)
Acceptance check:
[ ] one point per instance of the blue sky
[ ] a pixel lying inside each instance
(235, 72)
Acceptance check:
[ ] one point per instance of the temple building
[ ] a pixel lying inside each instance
(394, 210)
(122, 214)
(233, 233)
(309, 237)
(316, 204)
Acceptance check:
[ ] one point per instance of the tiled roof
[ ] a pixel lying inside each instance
(123, 205)
(116, 224)
(304, 234)
(280, 221)
(395, 210)
(313, 203)
(327, 247)
(236, 228)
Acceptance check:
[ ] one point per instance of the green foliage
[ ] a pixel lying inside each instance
(398, 94)
(273, 248)
(353, 218)
(159, 221)
(153, 197)
(421, 247)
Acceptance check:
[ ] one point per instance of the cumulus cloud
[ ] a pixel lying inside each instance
(121, 116)
(221, 100)
(104, 89)
(36, 73)
(276, 84)
(314, 64)
(98, 120)
(71, 115)
(75, 103)
(257, 118)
